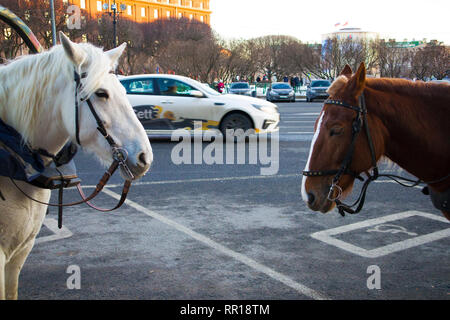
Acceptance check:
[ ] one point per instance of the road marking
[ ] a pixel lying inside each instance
(297, 132)
(327, 235)
(296, 127)
(224, 250)
(290, 175)
(52, 224)
(282, 176)
(298, 121)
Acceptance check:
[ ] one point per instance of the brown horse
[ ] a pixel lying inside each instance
(366, 119)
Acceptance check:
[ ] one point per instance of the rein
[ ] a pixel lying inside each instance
(359, 122)
(119, 156)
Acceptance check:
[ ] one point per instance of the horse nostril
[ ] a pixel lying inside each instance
(311, 198)
(142, 159)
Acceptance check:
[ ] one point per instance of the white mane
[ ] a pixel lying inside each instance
(29, 85)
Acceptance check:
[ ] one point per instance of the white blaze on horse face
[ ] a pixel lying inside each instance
(313, 142)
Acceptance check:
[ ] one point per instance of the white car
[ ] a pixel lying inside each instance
(164, 103)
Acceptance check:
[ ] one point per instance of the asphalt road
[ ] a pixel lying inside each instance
(225, 231)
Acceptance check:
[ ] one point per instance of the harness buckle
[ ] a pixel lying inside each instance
(120, 155)
(330, 193)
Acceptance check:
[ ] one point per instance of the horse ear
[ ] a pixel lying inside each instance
(357, 82)
(347, 71)
(114, 54)
(74, 53)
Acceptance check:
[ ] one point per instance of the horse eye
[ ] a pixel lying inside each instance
(102, 94)
(336, 131)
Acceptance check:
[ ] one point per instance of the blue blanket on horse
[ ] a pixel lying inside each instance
(17, 160)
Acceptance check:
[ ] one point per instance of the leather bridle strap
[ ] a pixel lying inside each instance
(119, 159)
(98, 188)
(359, 122)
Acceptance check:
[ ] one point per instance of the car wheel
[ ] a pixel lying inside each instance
(235, 121)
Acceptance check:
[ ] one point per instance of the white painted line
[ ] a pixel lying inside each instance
(327, 235)
(52, 224)
(296, 127)
(312, 121)
(224, 250)
(297, 132)
(290, 175)
(392, 181)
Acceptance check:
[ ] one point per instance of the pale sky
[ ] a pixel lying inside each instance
(307, 20)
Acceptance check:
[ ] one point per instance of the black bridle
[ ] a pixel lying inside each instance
(358, 123)
(119, 154)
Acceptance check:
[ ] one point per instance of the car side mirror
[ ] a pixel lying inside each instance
(197, 94)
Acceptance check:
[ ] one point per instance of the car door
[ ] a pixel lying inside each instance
(180, 104)
(143, 96)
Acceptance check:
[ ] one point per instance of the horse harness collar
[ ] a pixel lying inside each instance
(119, 156)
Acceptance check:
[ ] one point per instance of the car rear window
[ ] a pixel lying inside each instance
(139, 86)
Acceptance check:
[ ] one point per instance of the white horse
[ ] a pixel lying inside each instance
(37, 98)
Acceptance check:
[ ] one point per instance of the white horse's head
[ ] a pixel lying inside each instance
(37, 94)
(108, 98)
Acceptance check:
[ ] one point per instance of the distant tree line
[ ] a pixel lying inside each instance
(191, 48)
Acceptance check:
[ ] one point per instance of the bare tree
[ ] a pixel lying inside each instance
(393, 60)
(431, 60)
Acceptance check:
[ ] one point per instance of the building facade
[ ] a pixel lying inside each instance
(149, 10)
(351, 33)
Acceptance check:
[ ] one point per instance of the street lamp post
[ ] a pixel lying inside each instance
(52, 11)
(114, 12)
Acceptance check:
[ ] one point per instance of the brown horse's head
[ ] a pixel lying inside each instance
(331, 142)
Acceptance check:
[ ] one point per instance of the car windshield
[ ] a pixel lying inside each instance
(203, 87)
(240, 86)
(321, 83)
(281, 86)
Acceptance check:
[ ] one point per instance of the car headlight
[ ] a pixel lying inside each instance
(267, 109)
(273, 93)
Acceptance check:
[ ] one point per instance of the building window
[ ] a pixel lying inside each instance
(201, 18)
(180, 15)
(155, 14)
(190, 3)
(168, 14)
(179, 2)
(83, 4)
(99, 6)
(201, 5)
(129, 10)
(191, 16)
(143, 12)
